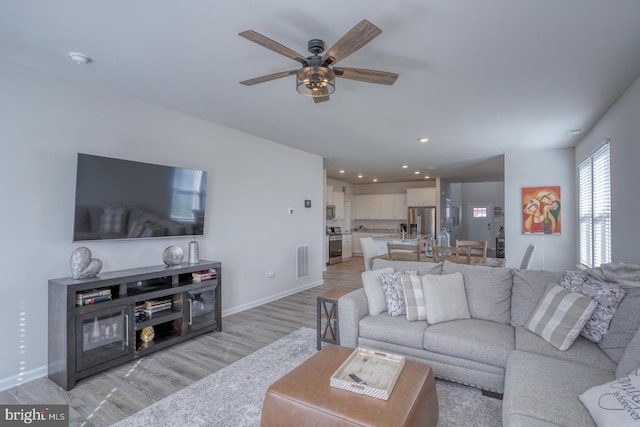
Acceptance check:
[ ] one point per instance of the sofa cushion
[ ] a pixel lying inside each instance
(560, 316)
(393, 293)
(540, 391)
(373, 290)
(419, 266)
(631, 358)
(615, 403)
(623, 326)
(472, 339)
(395, 330)
(445, 297)
(528, 287)
(414, 297)
(607, 295)
(488, 290)
(582, 351)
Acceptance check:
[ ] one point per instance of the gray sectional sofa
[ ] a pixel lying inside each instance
(493, 350)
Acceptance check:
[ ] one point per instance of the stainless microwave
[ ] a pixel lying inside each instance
(331, 212)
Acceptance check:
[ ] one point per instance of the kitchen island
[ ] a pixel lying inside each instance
(382, 237)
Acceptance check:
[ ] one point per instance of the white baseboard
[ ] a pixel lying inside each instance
(270, 298)
(23, 377)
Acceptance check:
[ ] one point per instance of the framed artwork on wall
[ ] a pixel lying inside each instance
(541, 210)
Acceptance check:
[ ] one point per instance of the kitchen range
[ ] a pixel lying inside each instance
(334, 236)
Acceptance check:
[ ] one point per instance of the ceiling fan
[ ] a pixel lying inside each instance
(316, 78)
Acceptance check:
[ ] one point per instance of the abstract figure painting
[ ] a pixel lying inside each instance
(541, 210)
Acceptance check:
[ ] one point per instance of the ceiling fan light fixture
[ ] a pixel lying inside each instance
(315, 81)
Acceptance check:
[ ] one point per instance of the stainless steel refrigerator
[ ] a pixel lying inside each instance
(422, 220)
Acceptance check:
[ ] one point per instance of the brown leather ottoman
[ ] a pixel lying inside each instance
(303, 397)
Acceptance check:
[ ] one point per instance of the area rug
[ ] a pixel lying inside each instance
(233, 396)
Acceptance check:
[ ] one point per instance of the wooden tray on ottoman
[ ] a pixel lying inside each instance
(368, 372)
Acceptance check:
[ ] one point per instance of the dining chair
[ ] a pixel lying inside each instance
(450, 253)
(474, 250)
(369, 251)
(403, 251)
(527, 257)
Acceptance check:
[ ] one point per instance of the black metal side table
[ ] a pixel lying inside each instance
(499, 247)
(327, 322)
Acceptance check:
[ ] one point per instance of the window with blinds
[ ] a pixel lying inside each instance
(594, 198)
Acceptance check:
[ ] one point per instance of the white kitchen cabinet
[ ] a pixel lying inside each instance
(362, 206)
(376, 206)
(328, 195)
(356, 249)
(338, 201)
(346, 247)
(381, 206)
(398, 203)
(421, 196)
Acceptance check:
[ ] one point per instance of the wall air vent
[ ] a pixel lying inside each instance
(302, 261)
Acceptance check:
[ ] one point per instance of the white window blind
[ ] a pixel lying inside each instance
(594, 194)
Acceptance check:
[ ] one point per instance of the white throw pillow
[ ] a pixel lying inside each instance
(445, 297)
(615, 403)
(560, 316)
(373, 290)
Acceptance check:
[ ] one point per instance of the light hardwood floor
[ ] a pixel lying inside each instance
(110, 396)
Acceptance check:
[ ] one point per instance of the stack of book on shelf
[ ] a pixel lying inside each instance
(209, 274)
(93, 296)
(153, 306)
(138, 312)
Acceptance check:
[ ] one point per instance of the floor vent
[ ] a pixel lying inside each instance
(302, 261)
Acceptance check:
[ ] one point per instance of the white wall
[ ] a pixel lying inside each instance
(533, 169)
(45, 122)
(621, 125)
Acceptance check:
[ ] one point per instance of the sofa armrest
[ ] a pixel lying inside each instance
(351, 308)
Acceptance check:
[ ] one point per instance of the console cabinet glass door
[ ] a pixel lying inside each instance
(201, 308)
(101, 336)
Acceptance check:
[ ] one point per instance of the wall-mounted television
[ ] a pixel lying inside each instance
(124, 199)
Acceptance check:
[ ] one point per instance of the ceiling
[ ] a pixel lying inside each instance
(479, 78)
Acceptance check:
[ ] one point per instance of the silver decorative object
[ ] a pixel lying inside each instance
(194, 258)
(173, 255)
(82, 265)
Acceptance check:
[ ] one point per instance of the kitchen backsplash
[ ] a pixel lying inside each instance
(378, 224)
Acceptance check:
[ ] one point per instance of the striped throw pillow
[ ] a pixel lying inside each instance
(560, 316)
(414, 297)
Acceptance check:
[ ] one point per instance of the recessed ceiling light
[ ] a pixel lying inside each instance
(426, 177)
(360, 176)
(417, 172)
(341, 171)
(405, 166)
(575, 131)
(79, 58)
(375, 179)
(423, 140)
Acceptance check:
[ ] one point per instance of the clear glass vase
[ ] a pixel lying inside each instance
(444, 238)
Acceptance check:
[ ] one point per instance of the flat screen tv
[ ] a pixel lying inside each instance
(123, 199)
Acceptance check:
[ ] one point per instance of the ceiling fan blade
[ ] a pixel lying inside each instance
(273, 45)
(353, 40)
(364, 75)
(268, 77)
